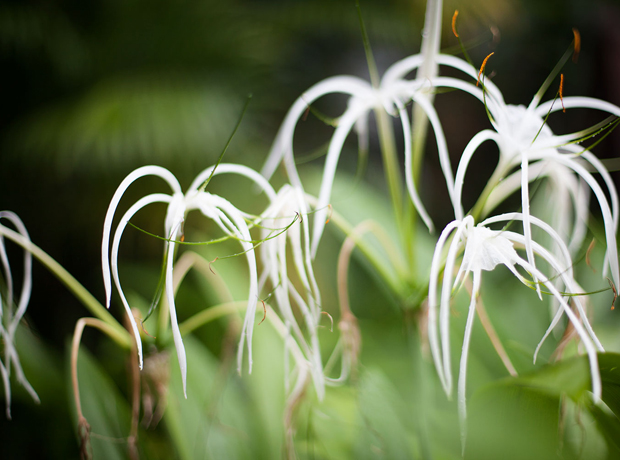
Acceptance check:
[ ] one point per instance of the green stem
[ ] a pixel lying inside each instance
(478, 208)
(211, 314)
(418, 140)
(391, 169)
(117, 332)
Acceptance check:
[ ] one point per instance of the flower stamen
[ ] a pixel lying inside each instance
(577, 45)
(613, 289)
(484, 63)
(331, 328)
(560, 91)
(456, 13)
(264, 312)
(331, 210)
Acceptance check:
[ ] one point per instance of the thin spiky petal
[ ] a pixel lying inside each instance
(116, 198)
(138, 205)
(433, 303)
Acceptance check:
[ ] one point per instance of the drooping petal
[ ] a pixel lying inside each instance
(107, 225)
(242, 233)
(462, 382)
(446, 295)
(24, 296)
(345, 124)
(174, 323)
(413, 193)
(470, 149)
(141, 203)
(525, 205)
(609, 220)
(283, 144)
(433, 303)
(585, 338)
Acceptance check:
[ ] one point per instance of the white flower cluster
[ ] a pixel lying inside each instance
(529, 151)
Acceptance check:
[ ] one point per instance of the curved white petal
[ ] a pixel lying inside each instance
(433, 303)
(578, 102)
(585, 337)
(446, 294)
(442, 147)
(243, 234)
(353, 112)
(107, 225)
(468, 153)
(413, 193)
(609, 220)
(174, 323)
(283, 144)
(469, 325)
(141, 203)
(24, 296)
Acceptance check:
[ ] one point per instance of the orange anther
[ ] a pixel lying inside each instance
(264, 312)
(613, 288)
(561, 89)
(456, 13)
(484, 63)
(577, 46)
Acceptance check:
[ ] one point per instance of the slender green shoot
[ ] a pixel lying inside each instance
(370, 59)
(204, 185)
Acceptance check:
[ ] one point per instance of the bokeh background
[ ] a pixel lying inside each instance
(94, 89)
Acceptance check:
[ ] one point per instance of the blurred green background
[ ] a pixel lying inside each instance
(93, 89)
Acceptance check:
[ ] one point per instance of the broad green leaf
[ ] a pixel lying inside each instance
(384, 433)
(609, 364)
(224, 415)
(511, 421)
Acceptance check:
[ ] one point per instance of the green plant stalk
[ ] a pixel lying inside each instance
(418, 140)
(391, 169)
(115, 330)
(386, 136)
(211, 314)
(498, 174)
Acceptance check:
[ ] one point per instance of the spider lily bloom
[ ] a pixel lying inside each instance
(289, 206)
(390, 95)
(10, 318)
(485, 249)
(527, 143)
(228, 218)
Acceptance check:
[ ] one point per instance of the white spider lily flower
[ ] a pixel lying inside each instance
(392, 96)
(227, 217)
(527, 143)
(10, 317)
(290, 210)
(485, 249)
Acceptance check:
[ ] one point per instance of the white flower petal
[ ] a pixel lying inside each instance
(141, 203)
(107, 225)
